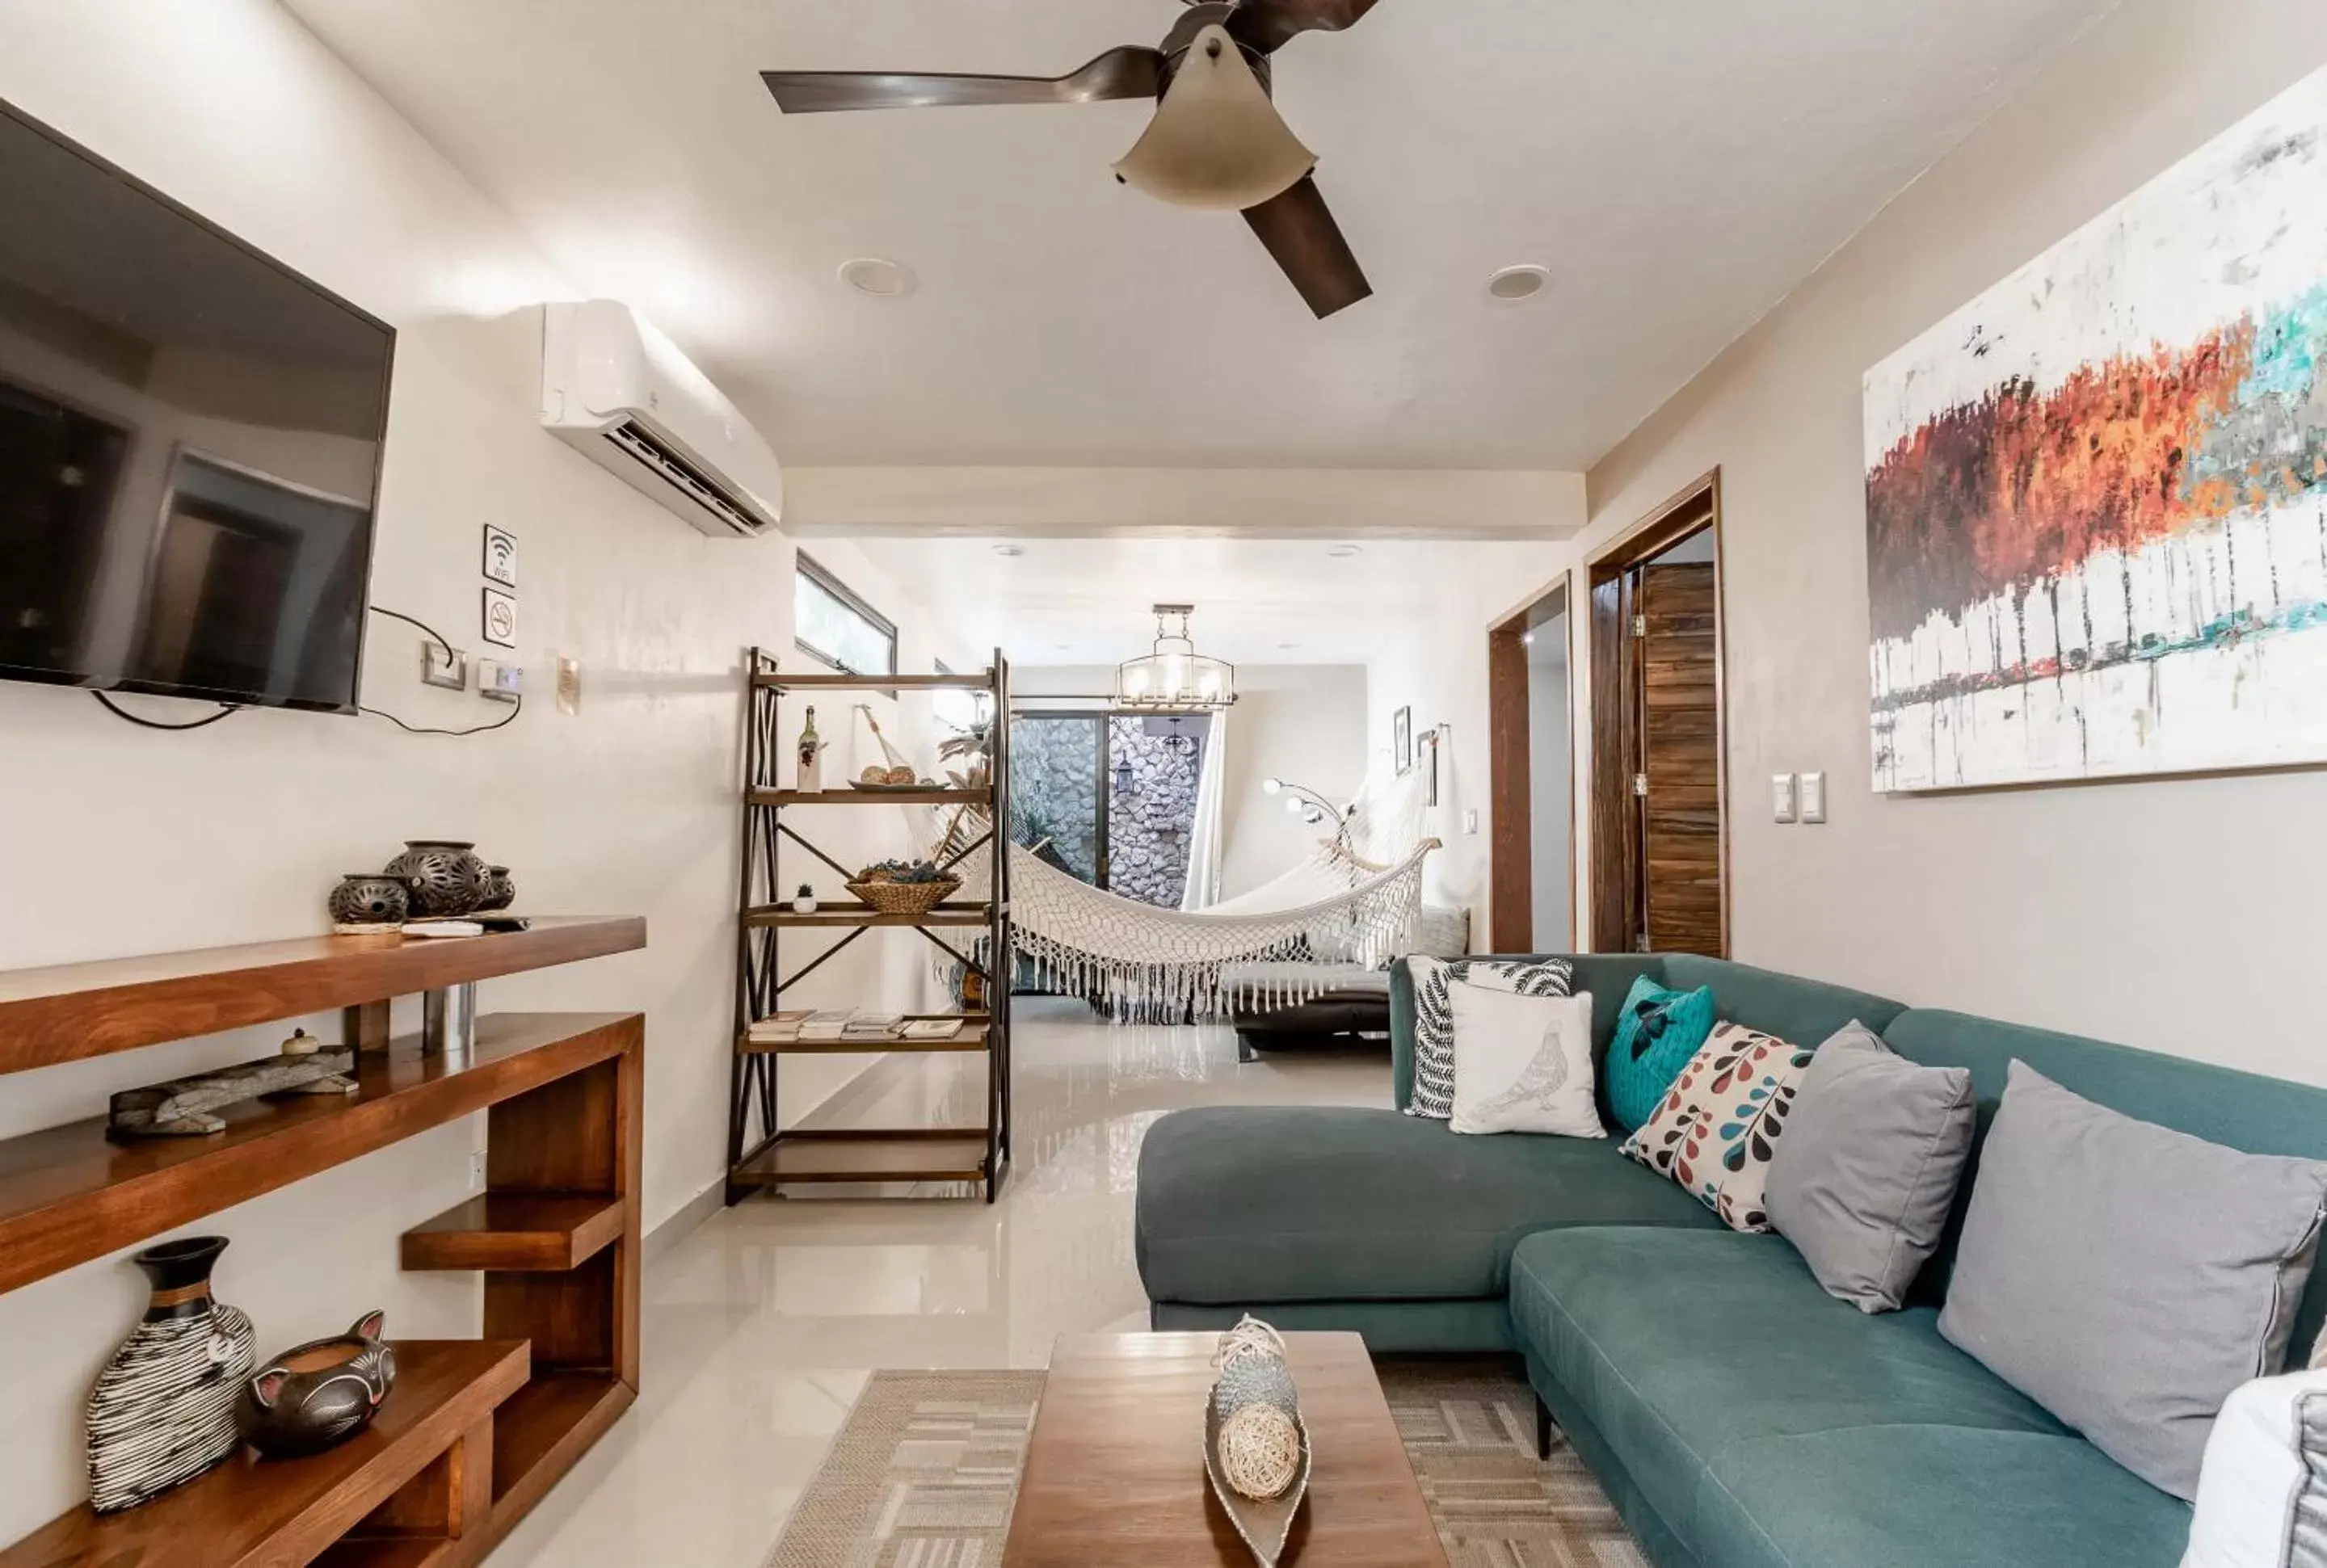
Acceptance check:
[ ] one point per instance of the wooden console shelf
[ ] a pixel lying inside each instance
(72, 1011)
(474, 1433)
(519, 1232)
(67, 1196)
(250, 1511)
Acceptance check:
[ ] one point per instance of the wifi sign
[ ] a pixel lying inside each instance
(501, 556)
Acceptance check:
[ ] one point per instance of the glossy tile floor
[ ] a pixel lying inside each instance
(760, 1328)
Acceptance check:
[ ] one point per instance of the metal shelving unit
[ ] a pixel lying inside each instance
(761, 1151)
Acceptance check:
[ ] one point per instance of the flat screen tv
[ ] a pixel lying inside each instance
(189, 446)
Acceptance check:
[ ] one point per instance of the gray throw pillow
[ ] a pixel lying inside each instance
(1862, 1181)
(2127, 1277)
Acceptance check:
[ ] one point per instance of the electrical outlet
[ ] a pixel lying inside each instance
(499, 681)
(1813, 797)
(1783, 803)
(444, 666)
(476, 1170)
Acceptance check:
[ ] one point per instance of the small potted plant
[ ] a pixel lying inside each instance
(804, 901)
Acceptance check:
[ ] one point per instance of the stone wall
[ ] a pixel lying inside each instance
(1152, 807)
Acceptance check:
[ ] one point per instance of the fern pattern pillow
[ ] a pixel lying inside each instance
(1433, 1015)
(1717, 1128)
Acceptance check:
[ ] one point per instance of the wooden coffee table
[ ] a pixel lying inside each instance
(1114, 1470)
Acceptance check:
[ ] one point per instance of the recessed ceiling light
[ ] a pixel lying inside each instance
(1009, 552)
(880, 277)
(1518, 284)
(1343, 552)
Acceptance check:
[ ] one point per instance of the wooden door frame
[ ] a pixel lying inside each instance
(1510, 764)
(1614, 926)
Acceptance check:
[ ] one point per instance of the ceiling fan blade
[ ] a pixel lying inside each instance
(1264, 26)
(1301, 234)
(1129, 72)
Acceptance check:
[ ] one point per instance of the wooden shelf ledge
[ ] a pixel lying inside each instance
(897, 1154)
(73, 1011)
(977, 681)
(542, 1429)
(67, 1196)
(255, 1513)
(865, 915)
(517, 1232)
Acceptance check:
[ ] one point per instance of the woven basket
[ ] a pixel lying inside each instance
(891, 897)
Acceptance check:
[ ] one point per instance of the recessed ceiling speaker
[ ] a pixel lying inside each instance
(1518, 284)
(880, 277)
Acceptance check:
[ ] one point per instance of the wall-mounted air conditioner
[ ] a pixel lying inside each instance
(624, 394)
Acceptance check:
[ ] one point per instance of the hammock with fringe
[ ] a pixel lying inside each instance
(1352, 900)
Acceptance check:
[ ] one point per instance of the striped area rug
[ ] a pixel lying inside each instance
(924, 1472)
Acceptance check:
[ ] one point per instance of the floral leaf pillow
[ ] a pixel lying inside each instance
(1717, 1128)
(1433, 1015)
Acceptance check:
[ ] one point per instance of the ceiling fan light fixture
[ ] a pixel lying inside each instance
(1216, 142)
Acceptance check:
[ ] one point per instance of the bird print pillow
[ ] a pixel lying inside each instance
(1717, 1127)
(1522, 1064)
(1434, 1017)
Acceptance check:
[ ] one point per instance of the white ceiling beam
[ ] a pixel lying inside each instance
(1260, 503)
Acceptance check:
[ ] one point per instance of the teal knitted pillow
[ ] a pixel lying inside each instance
(1658, 1032)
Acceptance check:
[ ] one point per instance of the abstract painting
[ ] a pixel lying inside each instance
(2097, 496)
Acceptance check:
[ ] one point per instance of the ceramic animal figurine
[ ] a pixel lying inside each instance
(163, 1409)
(318, 1395)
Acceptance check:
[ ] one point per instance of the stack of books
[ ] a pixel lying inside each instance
(845, 1026)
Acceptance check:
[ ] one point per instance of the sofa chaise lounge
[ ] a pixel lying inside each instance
(1738, 1416)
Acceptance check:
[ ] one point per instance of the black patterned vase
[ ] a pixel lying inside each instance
(162, 1411)
(369, 901)
(443, 876)
(501, 888)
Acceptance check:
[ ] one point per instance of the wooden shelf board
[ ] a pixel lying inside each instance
(73, 1011)
(843, 796)
(389, 1552)
(852, 915)
(540, 1430)
(972, 681)
(908, 1154)
(254, 1513)
(516, 1232)
(67, 1196)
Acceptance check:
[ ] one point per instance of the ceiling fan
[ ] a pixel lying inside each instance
(1216, 141)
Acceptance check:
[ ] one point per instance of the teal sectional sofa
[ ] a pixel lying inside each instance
(1739, 1416)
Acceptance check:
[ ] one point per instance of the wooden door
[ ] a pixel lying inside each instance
(1676, 718)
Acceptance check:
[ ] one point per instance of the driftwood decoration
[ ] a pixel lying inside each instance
(182, 1107)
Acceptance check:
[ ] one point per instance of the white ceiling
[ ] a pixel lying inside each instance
(1258, 602)
(1679, 165)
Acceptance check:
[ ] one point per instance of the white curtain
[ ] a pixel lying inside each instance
(1204, 835)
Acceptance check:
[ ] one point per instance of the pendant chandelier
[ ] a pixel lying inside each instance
(1175, 677)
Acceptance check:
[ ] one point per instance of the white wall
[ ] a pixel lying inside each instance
(1304, 723)
(118, 841)
(2161, 913)
(1550, 783)
(1439, 667)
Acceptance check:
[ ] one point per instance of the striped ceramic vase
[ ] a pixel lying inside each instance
(164, 1409)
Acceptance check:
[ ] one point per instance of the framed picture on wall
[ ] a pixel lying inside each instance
(1401, 739)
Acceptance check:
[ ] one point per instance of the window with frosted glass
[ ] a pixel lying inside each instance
(838, 627)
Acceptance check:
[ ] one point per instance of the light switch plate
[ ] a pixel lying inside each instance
(1782, 808)
(1813, 797)
(1471, 821)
